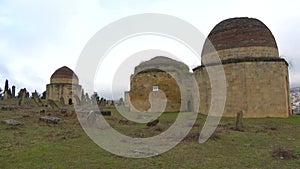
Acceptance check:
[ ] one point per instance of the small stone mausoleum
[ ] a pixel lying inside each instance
(64, 87)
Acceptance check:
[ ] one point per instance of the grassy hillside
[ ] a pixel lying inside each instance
(264, 143)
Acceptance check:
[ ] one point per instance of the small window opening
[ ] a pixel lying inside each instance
(155, 88)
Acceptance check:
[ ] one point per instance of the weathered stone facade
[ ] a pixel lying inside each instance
(259, 89)
(64, 86)
(257, 79)
(171, 80)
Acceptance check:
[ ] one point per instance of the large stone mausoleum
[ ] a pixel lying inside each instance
(257, 79)
(64, 86)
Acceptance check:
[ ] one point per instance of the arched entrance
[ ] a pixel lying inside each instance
(70, 101)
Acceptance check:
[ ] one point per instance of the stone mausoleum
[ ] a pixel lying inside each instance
(257, 79)
(64, 87)
(156, 85)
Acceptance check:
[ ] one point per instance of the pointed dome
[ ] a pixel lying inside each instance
(64, 75)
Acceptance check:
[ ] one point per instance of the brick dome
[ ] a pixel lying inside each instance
(64, 75)
(240, 38)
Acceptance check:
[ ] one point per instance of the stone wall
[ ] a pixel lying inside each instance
(242, 52)
(64, 80)
(67, 91)
(141, 93)
(259, 88)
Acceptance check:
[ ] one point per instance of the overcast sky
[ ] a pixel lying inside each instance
(37, 37)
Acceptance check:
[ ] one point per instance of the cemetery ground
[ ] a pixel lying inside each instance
(262, 143)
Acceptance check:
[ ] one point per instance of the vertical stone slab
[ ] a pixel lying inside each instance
(22, 96)
(239, 121)
(13, 93)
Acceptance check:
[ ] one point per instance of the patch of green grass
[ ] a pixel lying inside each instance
(65, 145)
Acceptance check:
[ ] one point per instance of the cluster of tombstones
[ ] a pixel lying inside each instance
(9, 93)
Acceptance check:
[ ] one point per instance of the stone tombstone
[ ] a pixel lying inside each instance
(5, 92)
(102, 102)
(78, 102)
(34, 94)
(27, 95)
(23, 93)
(36, 98)
(6, 85)
(87, 98)
(13, 93)
(9, 93)
(12, 122)
(62, 101)
(49, 119)
(239, 120)
(5, 95)
(82, 95)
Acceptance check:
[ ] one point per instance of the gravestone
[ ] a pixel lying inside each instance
(22, 96)
(49, 119)
(27, 95)
(52, 104)
(12, 122)
(13, 93)
(239, 121)
(78, 101)
(36, 99)
(5, 92)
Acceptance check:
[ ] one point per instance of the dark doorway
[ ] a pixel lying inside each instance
(189, 106)
(70, 101)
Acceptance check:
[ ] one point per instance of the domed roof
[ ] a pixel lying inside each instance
(238, 33)
(161, 63)
(64, 72)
